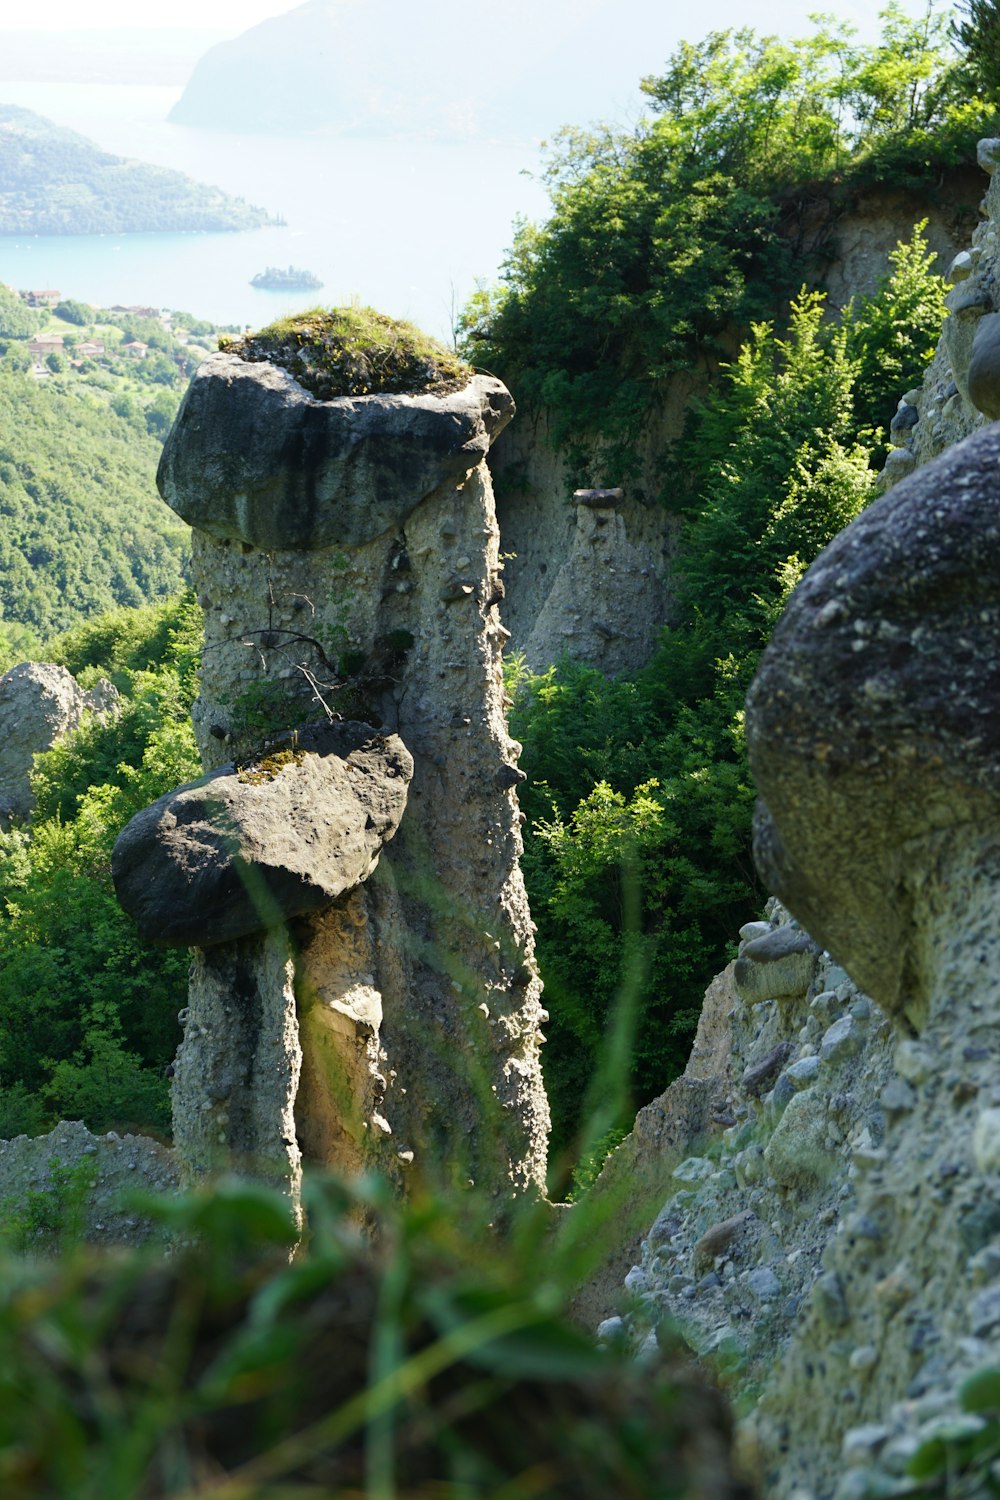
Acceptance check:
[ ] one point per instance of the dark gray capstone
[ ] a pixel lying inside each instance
(254, 458)
(874, 718)
(238, 853)
(777, 966)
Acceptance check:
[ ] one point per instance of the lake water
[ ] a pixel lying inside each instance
(407, 226)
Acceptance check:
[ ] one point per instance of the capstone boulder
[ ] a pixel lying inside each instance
(875, 714)
(252, 457)
(240, 852)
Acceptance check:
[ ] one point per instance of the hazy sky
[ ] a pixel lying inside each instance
(667, 19)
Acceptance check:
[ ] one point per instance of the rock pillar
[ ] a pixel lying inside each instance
(346, 554)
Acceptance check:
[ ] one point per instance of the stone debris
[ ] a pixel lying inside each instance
(87, 1179)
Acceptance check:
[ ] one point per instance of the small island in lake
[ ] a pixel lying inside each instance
(273, 278)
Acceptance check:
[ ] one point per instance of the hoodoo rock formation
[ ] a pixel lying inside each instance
(346, 557)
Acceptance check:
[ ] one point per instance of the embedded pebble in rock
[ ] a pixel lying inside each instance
(897, 1096)
(984, 367)
(750, 931)
(760, 1075)
(719, 1237)
(763, 1283)
(797, 1156)
(986, 1141)
(862, 1444)
(693, 1169)
(913, 1061)
(841, 1041)
(803, 1072)
(611, 1330)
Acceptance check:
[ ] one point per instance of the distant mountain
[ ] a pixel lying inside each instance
(445, 71)
(53, 181)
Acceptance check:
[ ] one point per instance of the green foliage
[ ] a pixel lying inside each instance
(892, 335)
(87, 1013)
(637, 850)
(53, 181)
(977, 33)
(438, 1362)
(16, 320)
(353, 351)
(665, 242)
(51, 1217)
(74, 312)
(960, 1455)
(82, 527)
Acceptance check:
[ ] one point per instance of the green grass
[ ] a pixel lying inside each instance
(353, 351)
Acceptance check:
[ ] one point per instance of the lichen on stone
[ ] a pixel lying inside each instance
(267, 768)
(353, 351)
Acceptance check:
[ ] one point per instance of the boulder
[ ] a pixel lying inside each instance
(874, 717)
(252, 457)
(984, 367)
(778, 966)
(39, 703)
(241, 851)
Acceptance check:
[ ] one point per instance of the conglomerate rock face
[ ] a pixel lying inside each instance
(875, 715)
(960, 390)
(835, 1250)
(346, 554)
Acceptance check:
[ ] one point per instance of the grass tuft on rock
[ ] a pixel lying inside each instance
(353, 351)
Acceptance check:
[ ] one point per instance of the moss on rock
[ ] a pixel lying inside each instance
(353, 351)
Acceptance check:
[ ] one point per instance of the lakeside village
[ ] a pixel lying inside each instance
(56, 346)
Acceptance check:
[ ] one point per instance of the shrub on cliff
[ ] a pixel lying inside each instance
(664, 241)
(639, 800)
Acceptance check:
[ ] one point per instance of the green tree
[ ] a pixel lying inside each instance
(87, 1013)
(638, 799)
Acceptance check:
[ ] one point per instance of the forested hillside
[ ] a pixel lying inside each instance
(82, 421)
(54, 181)
(88, 1017)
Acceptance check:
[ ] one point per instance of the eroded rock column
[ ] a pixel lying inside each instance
(346, 554)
